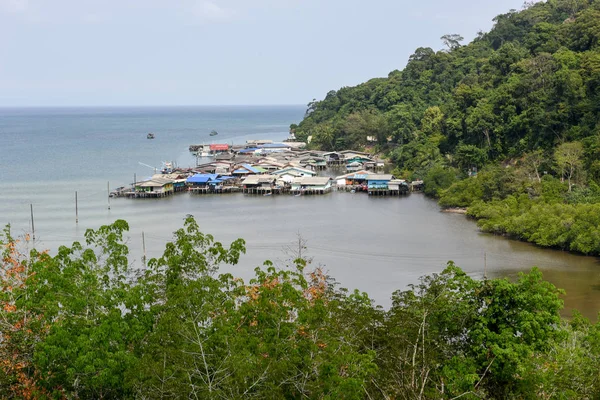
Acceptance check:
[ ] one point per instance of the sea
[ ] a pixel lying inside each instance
(376, 245)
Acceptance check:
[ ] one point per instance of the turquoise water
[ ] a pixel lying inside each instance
(377, 245)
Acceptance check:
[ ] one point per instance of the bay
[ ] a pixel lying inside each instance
(377, 245)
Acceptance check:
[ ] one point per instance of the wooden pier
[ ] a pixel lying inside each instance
(263, 190)
(148, 195)
(304, 192)
(387, 192)
(214, 190)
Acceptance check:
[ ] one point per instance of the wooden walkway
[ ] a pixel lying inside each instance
(214, 190)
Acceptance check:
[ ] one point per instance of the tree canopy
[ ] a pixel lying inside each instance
(88, 323)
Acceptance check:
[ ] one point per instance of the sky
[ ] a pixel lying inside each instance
(215, 52)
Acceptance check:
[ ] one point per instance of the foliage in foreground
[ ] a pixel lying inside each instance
(84, 324)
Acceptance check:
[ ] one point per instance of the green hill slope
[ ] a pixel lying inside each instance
(532, 82)
(520, 105)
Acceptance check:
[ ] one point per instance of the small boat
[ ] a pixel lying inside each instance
(267, 194)
(150, 136)
(213, 133)
(298, 195)
(353, 191)
(167, 167)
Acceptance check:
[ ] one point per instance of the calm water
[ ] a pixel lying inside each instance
(377, 245)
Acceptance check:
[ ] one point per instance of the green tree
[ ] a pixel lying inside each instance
(452, 41)
(437, 179)
(568, 157)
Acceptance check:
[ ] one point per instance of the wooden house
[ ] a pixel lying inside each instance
(179, 180)
(416, 186)
(260, 184)
(351, 179)
(354, 166)
(349, 154)
(268, 164)
(379, 181)
(154, 187)
(385, 185)
(315, 163)
(360, 159)
(247, 169)
(311, 185)
(211, 183)
(288, 174)
(334, 158)
(398, 187)
(199, 183)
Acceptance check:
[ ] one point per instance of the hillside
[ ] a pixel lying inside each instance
(519, 107)
(531, 82)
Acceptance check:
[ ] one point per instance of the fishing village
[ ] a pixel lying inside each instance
(264, 167)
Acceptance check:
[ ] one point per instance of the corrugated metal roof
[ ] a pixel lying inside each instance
(257, 179)
(219, 147)
(169, 176)
(297, 169)
(202, 178)
(291, 172)
(353, 175)
(256, 170)
(380, 177)
(274, 146)
(362, 153)
(154, 182)
(312, 180)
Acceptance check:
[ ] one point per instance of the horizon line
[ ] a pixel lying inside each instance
(151, 105)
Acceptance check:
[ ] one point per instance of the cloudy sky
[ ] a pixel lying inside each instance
(201, 52)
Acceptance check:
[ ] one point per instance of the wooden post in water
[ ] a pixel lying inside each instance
(484, 265)
(144, 249)
(76, 209)
(32, 222)
(108, 193)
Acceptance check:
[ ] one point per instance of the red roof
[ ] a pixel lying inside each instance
(217, 147)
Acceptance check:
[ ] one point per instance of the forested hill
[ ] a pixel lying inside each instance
(531, 83)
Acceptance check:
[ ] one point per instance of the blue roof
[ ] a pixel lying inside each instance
(251, 168)
(250, 150)
(202, 178)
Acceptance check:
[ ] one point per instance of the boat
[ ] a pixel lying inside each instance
(150, 136)
(267, 194)
(167, 167)
(213, 133)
